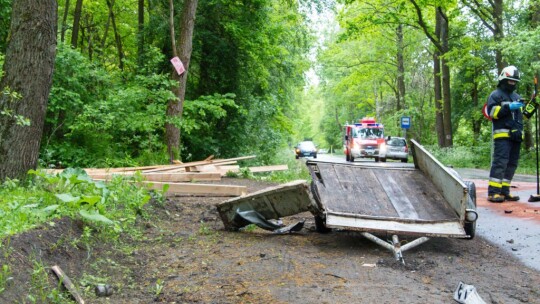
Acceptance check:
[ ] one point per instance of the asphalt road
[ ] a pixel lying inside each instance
(506, 225)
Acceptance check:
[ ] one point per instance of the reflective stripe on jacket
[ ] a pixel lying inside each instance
(502, 117)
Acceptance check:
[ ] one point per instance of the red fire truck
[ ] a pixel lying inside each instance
(365, 139)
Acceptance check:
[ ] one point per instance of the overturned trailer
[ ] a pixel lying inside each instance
(427, 200)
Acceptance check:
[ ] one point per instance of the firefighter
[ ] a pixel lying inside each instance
(504, 107)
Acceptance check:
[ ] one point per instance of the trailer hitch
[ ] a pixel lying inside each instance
(395, 245)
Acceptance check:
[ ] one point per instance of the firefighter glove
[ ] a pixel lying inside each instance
(515, 105)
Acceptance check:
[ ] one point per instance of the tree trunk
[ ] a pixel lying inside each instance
(64, 22)
(140, 42)
(401, 69)
(498, 32)
(439, 121)
(476, 122)
(76, 23)
(175, 108)
(28, 69)
(447, 95)
(105, 33)
(117, 38)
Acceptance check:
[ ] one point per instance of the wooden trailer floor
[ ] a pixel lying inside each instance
(404, 194)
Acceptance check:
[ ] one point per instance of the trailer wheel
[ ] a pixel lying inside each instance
(470, 227)
(320, 226)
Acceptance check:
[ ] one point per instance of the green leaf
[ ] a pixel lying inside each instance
(94, 216)
(90, 199)
(67, 197)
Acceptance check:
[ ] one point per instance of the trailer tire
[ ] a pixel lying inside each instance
(320, 226)
(470, 227)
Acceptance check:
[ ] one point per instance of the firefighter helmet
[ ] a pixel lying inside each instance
(510, 73)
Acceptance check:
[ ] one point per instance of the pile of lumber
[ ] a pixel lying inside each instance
(185, 178)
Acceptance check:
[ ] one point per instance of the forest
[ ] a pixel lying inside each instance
(260, 76)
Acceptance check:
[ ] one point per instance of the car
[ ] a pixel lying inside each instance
(397, 148)
(305, 149)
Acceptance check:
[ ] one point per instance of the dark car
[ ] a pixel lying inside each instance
(397, 148)
(305, 149)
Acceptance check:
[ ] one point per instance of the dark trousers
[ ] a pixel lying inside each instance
(504, 163)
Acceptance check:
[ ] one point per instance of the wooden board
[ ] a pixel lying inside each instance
(269, 168)
(187, 166)
(195, 188)
(164, 177)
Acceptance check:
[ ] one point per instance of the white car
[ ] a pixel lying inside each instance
(397, 148)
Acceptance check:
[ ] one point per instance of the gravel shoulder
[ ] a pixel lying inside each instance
(185, 256)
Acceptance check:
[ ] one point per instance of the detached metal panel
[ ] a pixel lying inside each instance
(272, 203)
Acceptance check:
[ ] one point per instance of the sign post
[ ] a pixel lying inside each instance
(405, 124)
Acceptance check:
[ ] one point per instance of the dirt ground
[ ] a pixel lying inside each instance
(185, 256)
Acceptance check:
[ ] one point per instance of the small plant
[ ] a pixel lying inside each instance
(12, 97)
(246, 173)
(232, 174)
(205, 230)
(158, 287)
(5, 277)
(249, 228)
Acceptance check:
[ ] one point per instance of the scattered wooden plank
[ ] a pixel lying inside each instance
(200, 163)
(195, 188)
(269, 168)
(205, 168)
(67, 283)
(165, 177)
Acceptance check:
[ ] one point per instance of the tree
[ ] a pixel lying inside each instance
(76, 23)
(439, 39)
(185, 43)
(28, 70)
(117, 37)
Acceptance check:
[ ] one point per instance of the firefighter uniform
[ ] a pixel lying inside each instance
(507, 137)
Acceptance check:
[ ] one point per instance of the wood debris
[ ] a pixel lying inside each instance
(64, 279)
(184, 178)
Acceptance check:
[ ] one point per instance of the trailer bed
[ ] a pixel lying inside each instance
(382, 198)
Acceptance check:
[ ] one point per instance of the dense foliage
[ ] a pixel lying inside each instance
(247, 87)
(362, 58)
(245, 80)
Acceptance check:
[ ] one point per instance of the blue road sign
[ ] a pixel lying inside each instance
(405, 122)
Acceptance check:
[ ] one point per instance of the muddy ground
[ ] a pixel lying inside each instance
(185, 256)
